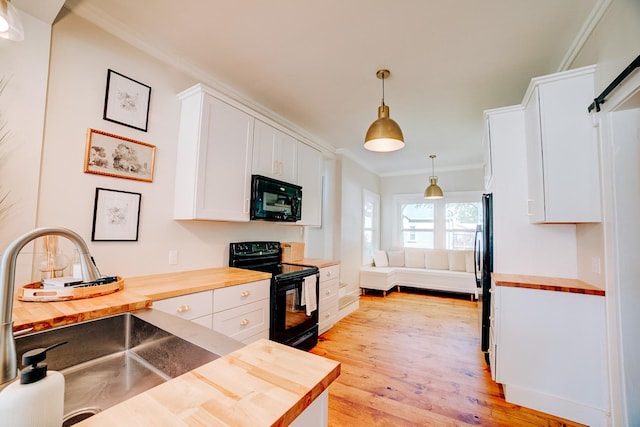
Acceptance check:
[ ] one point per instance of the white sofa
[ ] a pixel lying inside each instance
(433, 269)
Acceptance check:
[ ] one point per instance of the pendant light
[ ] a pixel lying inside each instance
(10, 24)
(433, 191)
(384, 134)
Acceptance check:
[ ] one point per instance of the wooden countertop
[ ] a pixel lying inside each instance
(315, 262)
(167, 285)
(262, 384)
(557, 284)
(45, 315)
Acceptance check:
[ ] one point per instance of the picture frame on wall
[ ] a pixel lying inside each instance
(116, 216)
(126, 101)
(113, 155)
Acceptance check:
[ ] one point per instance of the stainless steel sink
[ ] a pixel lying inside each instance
(111, 359)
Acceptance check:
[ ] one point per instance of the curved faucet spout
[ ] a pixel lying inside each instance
(8, 362)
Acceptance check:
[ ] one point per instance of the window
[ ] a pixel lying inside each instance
(370, 225)
(448, 223)
(417, 227)
(460, 225)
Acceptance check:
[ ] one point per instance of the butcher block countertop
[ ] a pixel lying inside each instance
(315, 262)
(167, 285)
(45, 315)
(262, 384)
(557, 284)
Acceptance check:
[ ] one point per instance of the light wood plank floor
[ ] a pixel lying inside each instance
(411, 359)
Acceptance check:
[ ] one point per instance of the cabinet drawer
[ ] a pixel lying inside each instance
(328, 309)
(244, 321)
(328, 273)
(187, 306)
(206, 321)
(234, 296)
(328, 289)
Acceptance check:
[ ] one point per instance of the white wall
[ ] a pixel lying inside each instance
(80, 56)
(22, 111)
(354, 178)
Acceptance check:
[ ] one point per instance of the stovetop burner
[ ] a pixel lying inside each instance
(265, 256)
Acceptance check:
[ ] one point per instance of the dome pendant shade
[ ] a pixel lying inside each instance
(384, 135)
(10, 24)
(433, 191)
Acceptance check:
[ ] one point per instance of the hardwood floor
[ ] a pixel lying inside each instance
(413, 359)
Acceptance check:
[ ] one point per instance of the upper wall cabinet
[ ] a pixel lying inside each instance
(213, 172)
(310, 178)
(274, 153)
(562, 150)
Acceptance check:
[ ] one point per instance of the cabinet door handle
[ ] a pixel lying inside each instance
(327, 292)
(244, 322)
(274, 167)
(184, 308)
(245, 294)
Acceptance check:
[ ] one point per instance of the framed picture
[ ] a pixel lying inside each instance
(126, 101)
(113, 155)
(116, 216)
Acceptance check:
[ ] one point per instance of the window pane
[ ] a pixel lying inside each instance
(461, 221)
(417, 239)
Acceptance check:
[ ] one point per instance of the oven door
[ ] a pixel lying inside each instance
(289, 317)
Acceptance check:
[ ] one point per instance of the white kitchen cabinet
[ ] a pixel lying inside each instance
(242, 311)
(328, 304)
(550, 352)
(197, 307)
(562, 150)
(274, 153)
(310, 179)
(213, 165)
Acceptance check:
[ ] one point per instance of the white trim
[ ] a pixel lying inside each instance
(373, 197)
(615, 102)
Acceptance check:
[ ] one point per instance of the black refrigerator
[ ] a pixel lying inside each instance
(483, 255)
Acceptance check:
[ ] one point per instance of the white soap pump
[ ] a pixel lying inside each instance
(37, 398)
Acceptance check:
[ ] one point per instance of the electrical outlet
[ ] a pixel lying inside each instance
(173, 257)
(595, 265)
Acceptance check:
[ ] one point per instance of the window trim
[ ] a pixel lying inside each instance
(367, 196)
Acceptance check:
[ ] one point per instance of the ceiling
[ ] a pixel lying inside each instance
(314, 63)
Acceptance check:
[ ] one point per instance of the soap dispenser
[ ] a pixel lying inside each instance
(36, 399)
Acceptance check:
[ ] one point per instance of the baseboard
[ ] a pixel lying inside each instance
(557, 406)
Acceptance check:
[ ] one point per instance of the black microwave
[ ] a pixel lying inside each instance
(274, 200)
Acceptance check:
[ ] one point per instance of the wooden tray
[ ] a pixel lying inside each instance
(34, 292)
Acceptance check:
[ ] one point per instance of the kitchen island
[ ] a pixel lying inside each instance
(261, 384)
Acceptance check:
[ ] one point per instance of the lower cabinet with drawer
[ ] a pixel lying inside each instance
(240, 311)
(328, 305)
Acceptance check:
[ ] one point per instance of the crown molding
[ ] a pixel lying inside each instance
(592, 21)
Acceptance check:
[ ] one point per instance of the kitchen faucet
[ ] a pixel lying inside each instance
(8, 362)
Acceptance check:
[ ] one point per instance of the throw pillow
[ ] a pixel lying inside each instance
(414, 258)
(396, 258)
(380, 259)
(457, 260)
(437, 259)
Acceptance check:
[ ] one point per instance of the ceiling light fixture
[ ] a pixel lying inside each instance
(10, 23)
(433, 191)
(384, 134)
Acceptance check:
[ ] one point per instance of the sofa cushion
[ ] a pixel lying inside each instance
(457, 260)
(380, 259)
(469, 262)
(396, 258)
(414, 258)
(437, 259)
